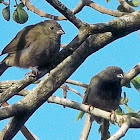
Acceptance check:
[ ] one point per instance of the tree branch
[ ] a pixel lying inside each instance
(126, 6)
(24, 130)
(30, 103)
(131, 74)
(66, 12)
(37, 11)
(11, 91)
(86, 128)
(79, 7)
(121, 132)
(104, 10)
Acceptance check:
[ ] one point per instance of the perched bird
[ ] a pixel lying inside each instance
(104, 92)
(33, 46)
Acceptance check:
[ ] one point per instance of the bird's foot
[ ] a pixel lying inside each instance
(113, 117)
(90, 108)
(34, 72)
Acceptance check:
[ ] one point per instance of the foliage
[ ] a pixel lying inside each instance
(19, 15)
(6, 13)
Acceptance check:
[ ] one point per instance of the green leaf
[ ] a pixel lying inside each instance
(108, 1)
(80, 116)
(136, 83)
(119, 111)
(129, 110)
(6, 13)
(133, 115)
(121, 8)
(127, 85)
(21, 5)
(124, 100)
(20, 15)
(134, 3)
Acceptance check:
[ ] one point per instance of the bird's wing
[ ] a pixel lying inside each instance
(86, 95)
(19, 42)
(94, 81)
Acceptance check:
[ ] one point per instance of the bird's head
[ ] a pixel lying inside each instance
(52, 29)
(114, 73)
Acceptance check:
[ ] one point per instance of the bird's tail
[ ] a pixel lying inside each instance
(104, 129)
(3, 67)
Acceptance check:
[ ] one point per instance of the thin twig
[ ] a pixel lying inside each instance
(77, 83)
(126, 6)
(87, 127)
(75, 91)
(104, 10)
(37, 11)
(66, 12)
(79, 7)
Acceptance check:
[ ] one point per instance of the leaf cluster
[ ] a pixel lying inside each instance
(19, 15)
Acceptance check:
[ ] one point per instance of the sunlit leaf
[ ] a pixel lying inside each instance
(124, 100)
(134, 115)
(136, 83)
(134, 3)
(6, 13)
(129, 110)
(80, 116)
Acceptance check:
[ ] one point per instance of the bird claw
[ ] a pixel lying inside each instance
(90, 108)
(34, 72)
(113, 117)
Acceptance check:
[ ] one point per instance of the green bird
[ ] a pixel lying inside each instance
(34, 46)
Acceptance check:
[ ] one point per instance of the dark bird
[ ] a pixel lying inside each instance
(34, 46)
(104, 92)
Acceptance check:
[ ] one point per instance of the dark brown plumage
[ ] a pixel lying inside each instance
(104, 92)
(34, 45)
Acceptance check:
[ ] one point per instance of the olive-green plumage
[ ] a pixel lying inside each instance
(34, 45)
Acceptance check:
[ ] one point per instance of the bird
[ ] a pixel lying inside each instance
(34, 46)
(104, 92)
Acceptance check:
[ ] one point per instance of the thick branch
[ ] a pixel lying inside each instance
(11, 91)
(24, 130)
(118, 26)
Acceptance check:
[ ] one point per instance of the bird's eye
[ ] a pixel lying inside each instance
(114, 71)
(51, 27)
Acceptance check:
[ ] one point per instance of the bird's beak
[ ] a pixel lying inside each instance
(121, 76)
(60, 32)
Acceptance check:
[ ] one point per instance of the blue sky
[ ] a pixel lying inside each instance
(53, 122)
